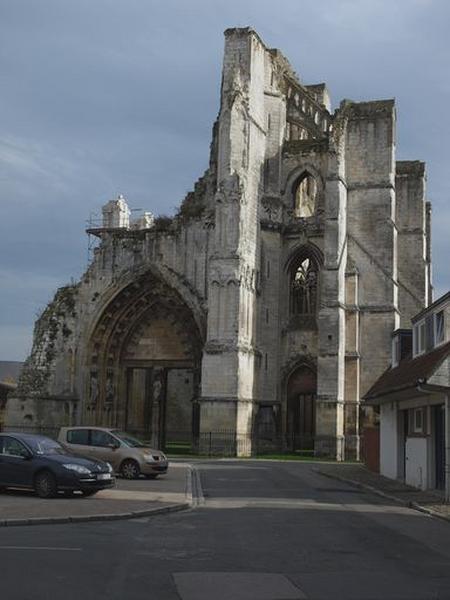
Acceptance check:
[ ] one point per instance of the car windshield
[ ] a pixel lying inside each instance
(46, 446)
(128, 439)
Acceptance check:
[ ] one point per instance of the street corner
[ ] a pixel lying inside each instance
(128, 499)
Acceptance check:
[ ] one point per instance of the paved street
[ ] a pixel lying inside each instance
(267, 531)
(125, 498)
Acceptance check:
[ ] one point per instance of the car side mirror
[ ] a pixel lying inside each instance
(27, 456)
(113, 445)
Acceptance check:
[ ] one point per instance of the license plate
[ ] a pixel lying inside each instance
(103, 476)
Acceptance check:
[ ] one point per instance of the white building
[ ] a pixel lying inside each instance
(414, 399)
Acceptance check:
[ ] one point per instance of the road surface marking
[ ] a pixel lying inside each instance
(57, 549)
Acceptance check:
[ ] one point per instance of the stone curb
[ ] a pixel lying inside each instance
(191, 493)
(370, 488)
(100, 517)
(428, 511)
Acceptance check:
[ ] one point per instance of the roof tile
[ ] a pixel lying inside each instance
(408, 372)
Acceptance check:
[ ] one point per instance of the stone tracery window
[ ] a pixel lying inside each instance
(305, 195)
(303, 292)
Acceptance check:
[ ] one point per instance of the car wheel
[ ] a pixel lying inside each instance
(89, 492)
(130, 469)
(45, 485)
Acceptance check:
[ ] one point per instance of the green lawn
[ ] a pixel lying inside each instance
(184, 450)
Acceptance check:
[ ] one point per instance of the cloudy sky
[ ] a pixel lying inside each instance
(100, 97)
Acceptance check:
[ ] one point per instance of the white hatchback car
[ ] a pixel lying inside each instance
(128, 456)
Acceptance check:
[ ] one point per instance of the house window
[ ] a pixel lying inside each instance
(395, 351)
(305, 197)
(418, 420)
(439, 334)
(429, 333)
(422, 332)
(419, 334)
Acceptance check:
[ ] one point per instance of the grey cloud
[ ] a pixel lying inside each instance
(105, 97)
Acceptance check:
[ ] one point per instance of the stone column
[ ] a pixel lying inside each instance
(352, 367)
(329, 439)
(157, 407)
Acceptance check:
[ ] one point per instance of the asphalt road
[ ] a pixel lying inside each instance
(267, 531)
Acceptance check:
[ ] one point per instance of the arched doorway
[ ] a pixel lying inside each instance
(160, 367)
(301, 408)
(144, 364)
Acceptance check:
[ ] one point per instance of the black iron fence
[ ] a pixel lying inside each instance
(49, 431)
(220, 443)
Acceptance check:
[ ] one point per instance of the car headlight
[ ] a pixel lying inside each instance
(77, 468)
(154, 457)
(110, 467)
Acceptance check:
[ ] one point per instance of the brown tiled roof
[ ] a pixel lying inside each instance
(409, 372)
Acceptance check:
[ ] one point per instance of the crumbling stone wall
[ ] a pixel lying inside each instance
(45, 393)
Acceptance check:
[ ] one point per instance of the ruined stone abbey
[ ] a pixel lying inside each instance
(263, 310)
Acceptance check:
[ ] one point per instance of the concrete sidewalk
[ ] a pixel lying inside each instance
(129, 499)
(429, 502)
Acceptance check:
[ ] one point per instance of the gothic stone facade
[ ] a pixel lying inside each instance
(264, 309)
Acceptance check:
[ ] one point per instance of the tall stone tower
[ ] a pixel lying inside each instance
(229, 371)
(257, 317)
(299, 186)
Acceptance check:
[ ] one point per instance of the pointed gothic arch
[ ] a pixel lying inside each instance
(303, 270)
(301, 393)
(305, 195)
(145, 342)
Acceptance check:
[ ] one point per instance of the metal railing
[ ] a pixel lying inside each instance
(49, 431)
(220, 443)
